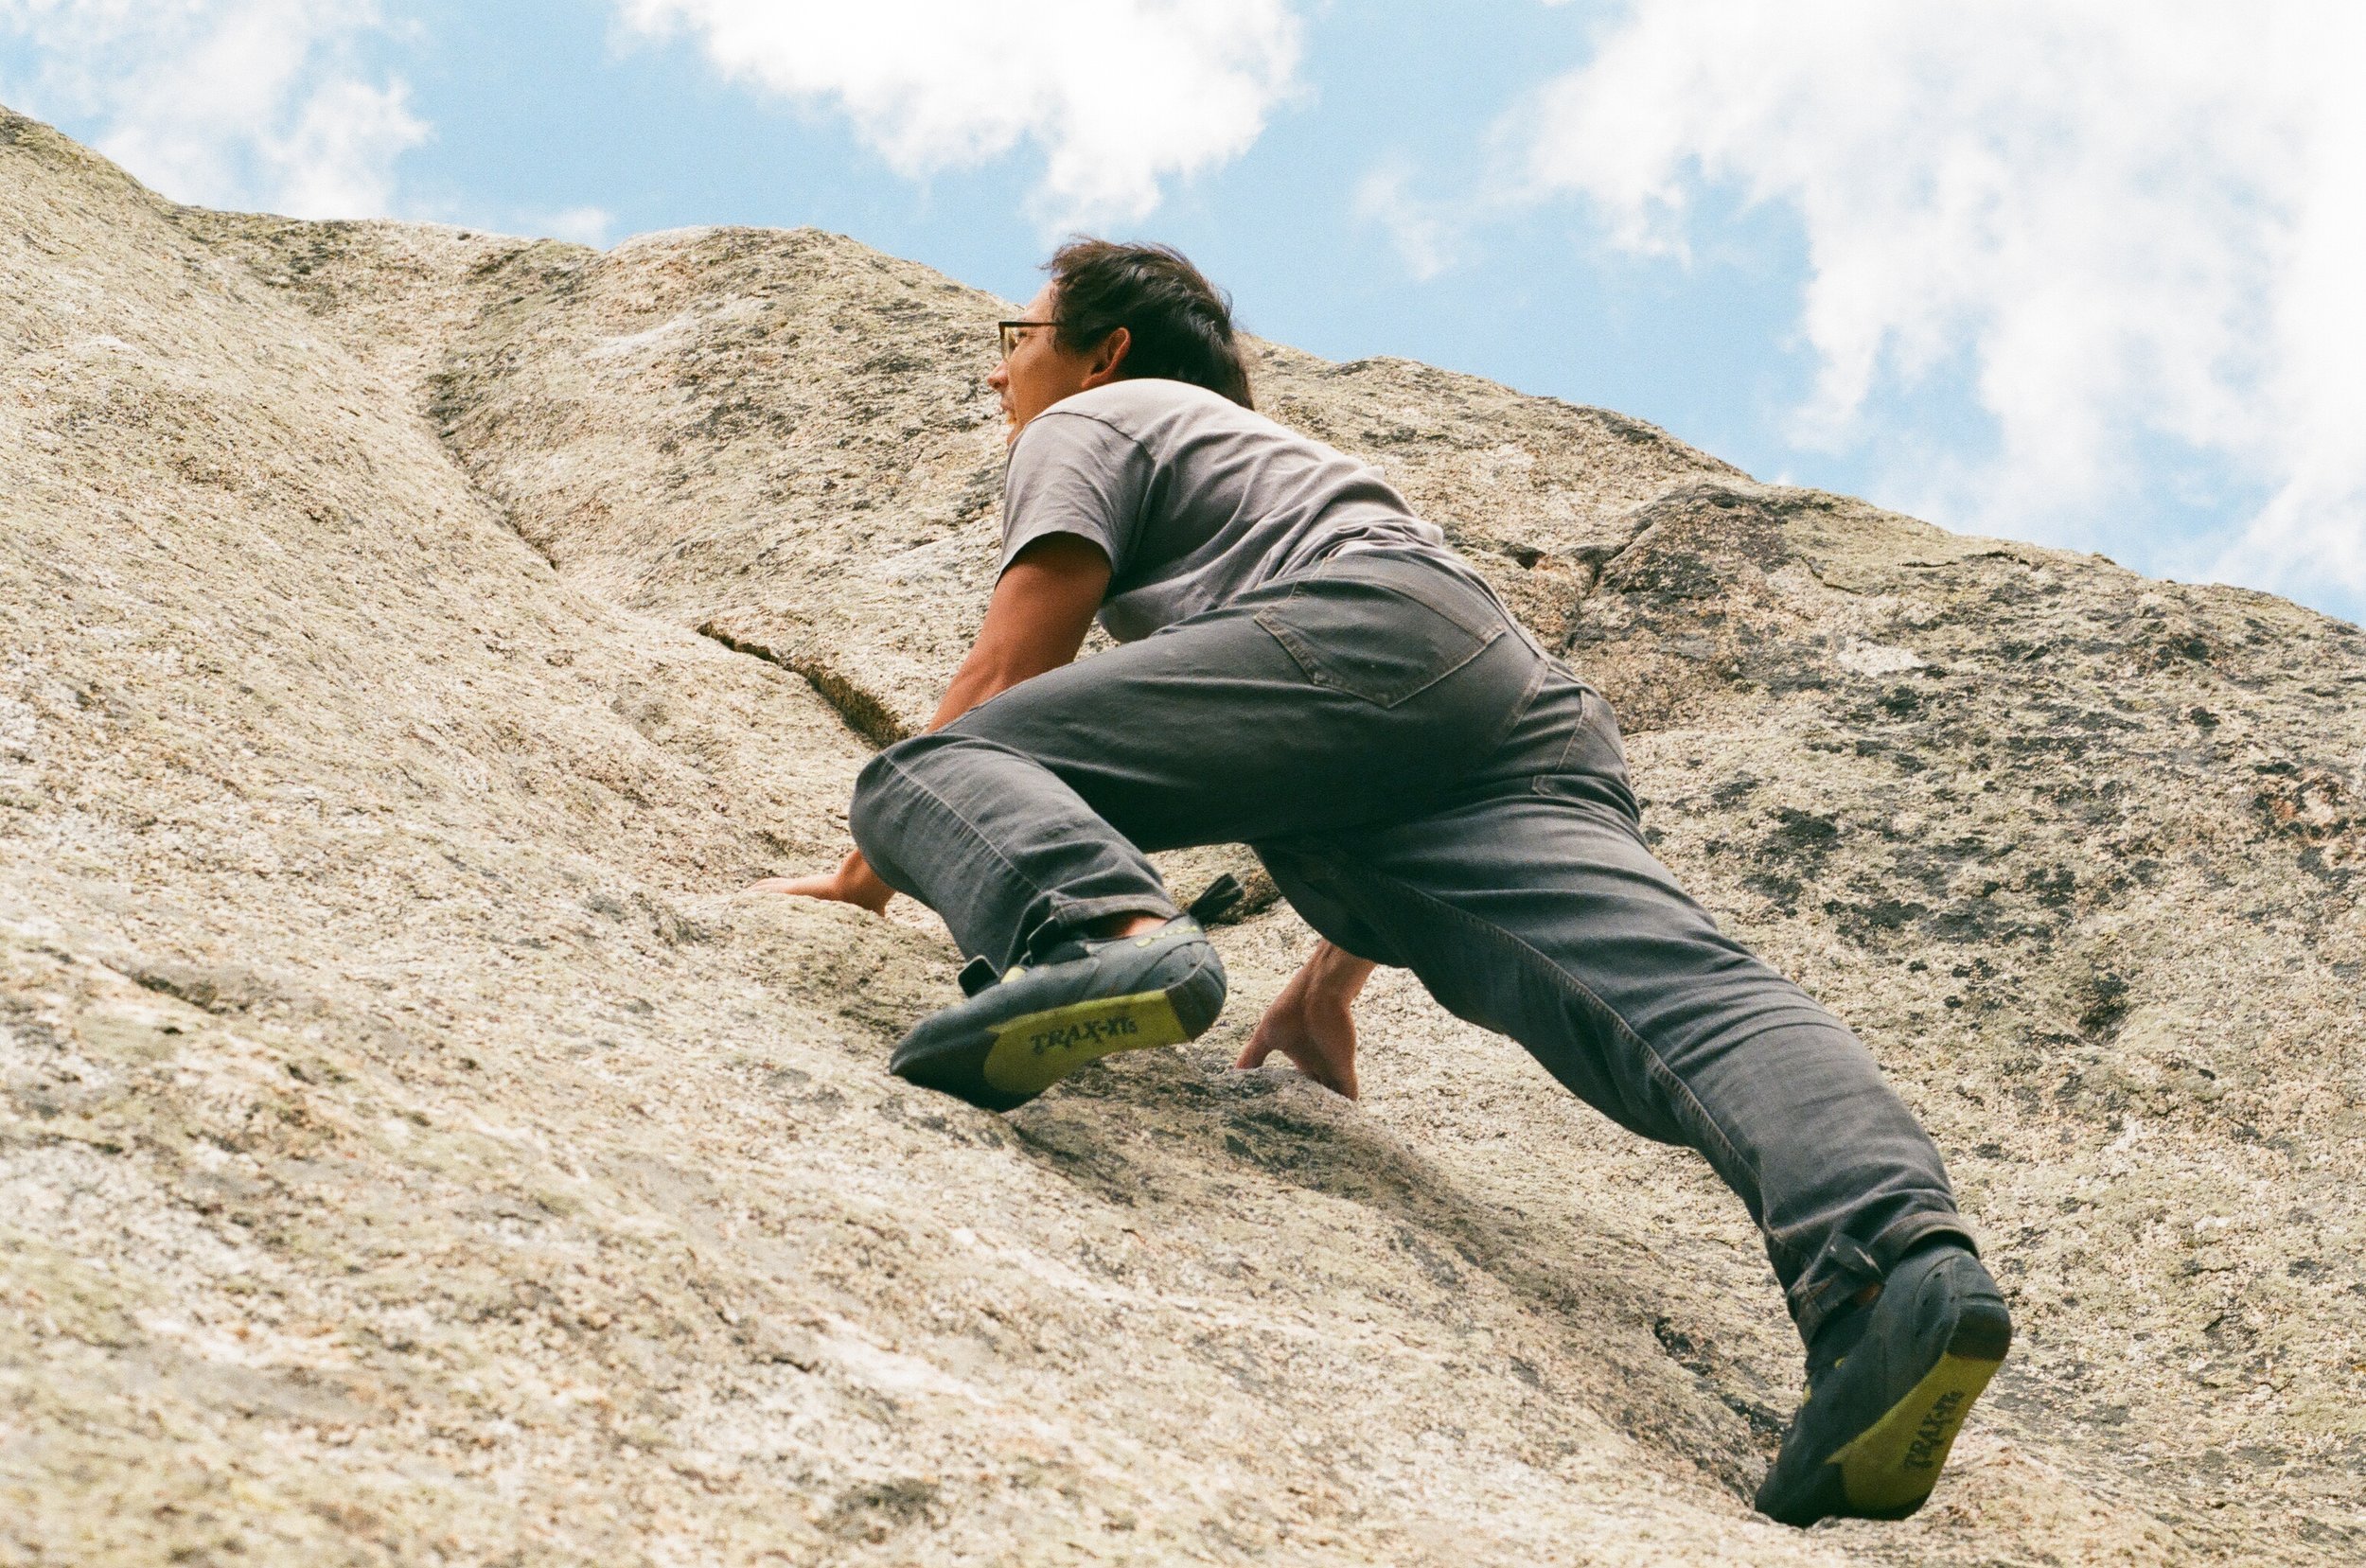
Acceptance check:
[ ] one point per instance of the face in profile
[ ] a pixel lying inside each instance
(1037, 372)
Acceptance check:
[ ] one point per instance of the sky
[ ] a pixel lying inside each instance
(2076, 273)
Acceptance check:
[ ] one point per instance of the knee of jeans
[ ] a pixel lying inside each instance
(884, 788)
(867, 815)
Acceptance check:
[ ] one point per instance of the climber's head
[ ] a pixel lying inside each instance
(1112, 312)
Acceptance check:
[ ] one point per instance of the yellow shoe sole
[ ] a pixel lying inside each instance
(1889, 1468)
(1034, 1051)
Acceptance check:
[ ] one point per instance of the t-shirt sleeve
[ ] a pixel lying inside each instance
(1071, 473)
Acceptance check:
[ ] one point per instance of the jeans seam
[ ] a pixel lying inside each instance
(1661, 1071)
(1307, 579)
(1496, 624)
(1568, 749)
(1309, 661)
(1519, 710)
(1494, 621)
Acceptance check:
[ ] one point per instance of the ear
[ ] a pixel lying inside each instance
(1108, 359)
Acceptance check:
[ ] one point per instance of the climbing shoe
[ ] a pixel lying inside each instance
(1081, 1000)
(1889, 1384)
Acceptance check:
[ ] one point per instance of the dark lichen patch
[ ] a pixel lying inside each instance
(2175, 647)
(1873, 918)
(1733, 789)
(2314, 861)
(1933, 864)
(1782, 890)
(1800, 838)
(1666, 573)
(2307, 802)
(2106, 1005)
(1978, 920)
(2053, 887)
(875, 1512)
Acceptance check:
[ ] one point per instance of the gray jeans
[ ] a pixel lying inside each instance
(1429, 789)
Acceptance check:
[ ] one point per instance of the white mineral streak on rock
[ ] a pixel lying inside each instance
(1873, 659)
(413, 1149)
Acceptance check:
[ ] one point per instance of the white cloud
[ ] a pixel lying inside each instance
(583, 225)
(1120, 94)
(1426, 241)
(2138, 225)
(227, 103)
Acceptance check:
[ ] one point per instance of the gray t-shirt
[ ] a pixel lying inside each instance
(1196, 499)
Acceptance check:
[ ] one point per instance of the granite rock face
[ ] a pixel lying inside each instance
(413, 1149)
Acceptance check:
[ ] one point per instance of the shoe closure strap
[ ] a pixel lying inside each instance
(1056, 937)
(1217, 897)
(1057, 934)
(1844, 1265)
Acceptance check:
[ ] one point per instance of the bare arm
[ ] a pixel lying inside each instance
(1041, 608)
(1036, 620)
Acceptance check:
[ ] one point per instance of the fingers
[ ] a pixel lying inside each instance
(810, 887)
(1271, 1035)
(1323, 1050)
(853, 882)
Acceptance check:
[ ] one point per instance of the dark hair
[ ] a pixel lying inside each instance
(1179, 323)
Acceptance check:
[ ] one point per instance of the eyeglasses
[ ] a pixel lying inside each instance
(1010, 333)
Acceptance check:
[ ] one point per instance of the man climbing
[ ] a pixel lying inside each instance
(1306, 667)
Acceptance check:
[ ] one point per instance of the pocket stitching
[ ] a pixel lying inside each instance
(1492, 618)
(1544, 782)
(1309, 663)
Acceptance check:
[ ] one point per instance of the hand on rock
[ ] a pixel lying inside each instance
(853, 882)
(1311, 1024)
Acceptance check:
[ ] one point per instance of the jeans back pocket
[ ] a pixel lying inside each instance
(1382, 630)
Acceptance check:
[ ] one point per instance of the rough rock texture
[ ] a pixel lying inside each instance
(413, 1150)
